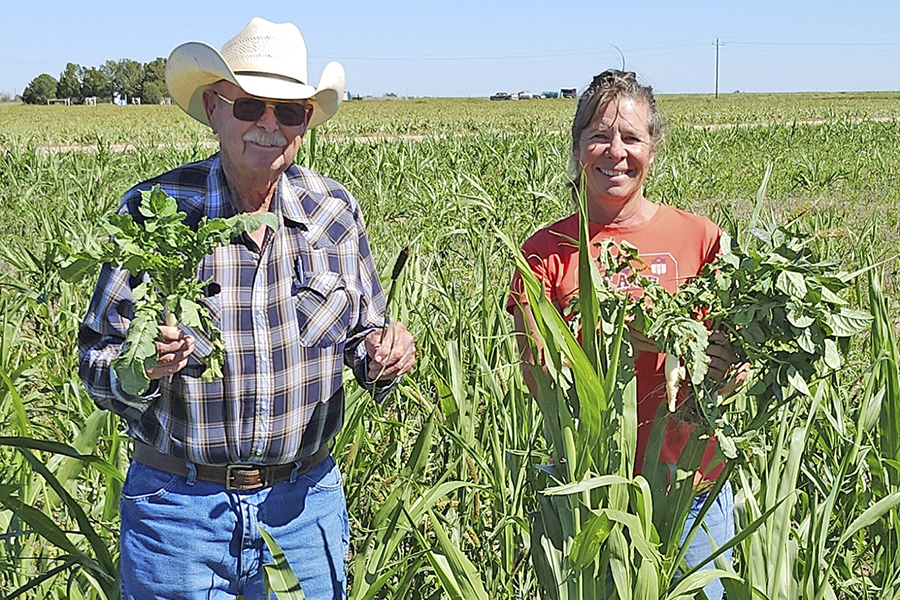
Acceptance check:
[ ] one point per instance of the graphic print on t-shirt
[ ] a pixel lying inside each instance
(661, 267)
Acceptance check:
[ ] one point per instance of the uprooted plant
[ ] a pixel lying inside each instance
(165, 251)
(776, 302)
(779, 307)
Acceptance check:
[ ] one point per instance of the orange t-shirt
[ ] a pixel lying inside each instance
(675, 244)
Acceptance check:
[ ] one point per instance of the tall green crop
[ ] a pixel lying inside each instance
(168, 251)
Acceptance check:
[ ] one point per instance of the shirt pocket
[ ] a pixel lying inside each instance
(323, 309)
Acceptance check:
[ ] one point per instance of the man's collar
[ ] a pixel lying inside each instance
(290, 201)
(325, 219)
(306, 201)
(221, 203)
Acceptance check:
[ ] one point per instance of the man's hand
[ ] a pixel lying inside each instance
(392, 356)
(173, 352)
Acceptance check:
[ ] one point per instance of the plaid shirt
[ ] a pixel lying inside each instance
(290, 313)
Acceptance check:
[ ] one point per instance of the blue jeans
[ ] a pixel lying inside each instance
(720, 521)
(193, 540)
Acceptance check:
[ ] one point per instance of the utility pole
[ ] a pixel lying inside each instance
(717, 45)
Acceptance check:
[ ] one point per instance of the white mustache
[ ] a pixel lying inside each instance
(262, 138)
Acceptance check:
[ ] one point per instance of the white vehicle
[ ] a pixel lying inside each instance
(525, 95)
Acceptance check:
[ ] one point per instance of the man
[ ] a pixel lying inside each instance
(215, 462)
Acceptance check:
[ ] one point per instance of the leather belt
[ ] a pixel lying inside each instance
(233, 477)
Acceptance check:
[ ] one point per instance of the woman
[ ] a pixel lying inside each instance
(615, 135)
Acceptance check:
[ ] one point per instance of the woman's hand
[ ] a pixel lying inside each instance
(640, 342)
(721, 364)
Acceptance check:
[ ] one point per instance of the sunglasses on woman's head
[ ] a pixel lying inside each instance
(612, 74)
(290, 114)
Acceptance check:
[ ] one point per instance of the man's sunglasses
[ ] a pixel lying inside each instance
(252, 109)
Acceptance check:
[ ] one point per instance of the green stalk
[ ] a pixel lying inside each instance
(399, 263)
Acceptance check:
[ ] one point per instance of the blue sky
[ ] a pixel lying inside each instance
(474, 48)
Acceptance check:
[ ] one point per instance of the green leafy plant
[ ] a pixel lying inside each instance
(780, 308)
(778, 305)
(168, 251)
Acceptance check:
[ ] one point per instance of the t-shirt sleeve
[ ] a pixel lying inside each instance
(712, 241)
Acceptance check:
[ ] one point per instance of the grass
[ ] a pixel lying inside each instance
(441, 476)
(149, 125)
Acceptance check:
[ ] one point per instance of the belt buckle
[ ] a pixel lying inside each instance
(233, 472)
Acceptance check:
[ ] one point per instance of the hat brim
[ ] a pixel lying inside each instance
(194, 66)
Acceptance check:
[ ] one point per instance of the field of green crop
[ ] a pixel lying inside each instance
(441, 479)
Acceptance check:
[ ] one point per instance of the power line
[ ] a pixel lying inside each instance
(635, 50)
(631, 52)
(864, 44)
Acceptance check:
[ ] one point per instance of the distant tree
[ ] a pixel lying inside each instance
(132, 74)
(94, 83)
(109, 70)
(153, 88)
(153, 92)
(70, 82)
(155, 70)
(125, 77)
(41, 89)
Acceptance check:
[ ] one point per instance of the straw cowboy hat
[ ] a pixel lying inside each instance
(264, 59)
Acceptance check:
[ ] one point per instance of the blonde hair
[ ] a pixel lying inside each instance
(612, 85)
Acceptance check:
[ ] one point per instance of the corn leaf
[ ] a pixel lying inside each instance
(458, 576)
(587, 543)
(279, 576)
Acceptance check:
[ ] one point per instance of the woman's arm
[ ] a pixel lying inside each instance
(528, 342)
